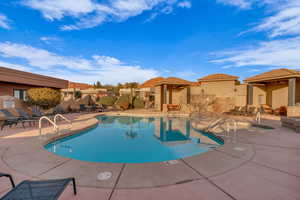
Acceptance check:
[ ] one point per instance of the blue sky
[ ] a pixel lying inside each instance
(133, 40)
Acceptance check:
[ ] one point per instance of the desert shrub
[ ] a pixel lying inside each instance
(123, 102)
(138, 103)
(43, 97)
(77, 95)
(107, 101)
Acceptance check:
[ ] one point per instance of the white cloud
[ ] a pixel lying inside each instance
(40, 57)
(276, 53)
(4, 22)
(48, 39)
(57, 9)
(99, 67)
(283, 15)
(14, 66)
(185, 4)
(90, 13)
(243, 4)
(286, 21)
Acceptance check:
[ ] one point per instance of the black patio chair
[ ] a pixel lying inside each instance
(10, 119)
(39, 190)
(38, 113)
(10, 178)
(25, 117)
(82, 108)
(234, 110)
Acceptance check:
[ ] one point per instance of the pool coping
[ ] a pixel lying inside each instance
(188, 168)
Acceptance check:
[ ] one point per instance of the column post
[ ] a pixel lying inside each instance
(292, 92)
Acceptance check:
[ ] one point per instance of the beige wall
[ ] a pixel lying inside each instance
(277, 95)
(238, 92)
(259, 95)
(273, 95)
(219, 88)
(158, 100)
(241, 95)
(298, 91)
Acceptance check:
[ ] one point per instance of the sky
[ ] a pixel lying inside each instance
(114, 41)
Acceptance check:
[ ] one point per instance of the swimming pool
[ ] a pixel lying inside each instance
(123, 139)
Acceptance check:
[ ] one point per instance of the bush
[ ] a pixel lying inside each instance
(107, 101)
(43, 97)
(123, 102)
(138, 103)
(77, 94)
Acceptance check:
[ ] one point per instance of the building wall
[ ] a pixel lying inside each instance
(158, 98)
(259, 95)
(223, 89)
(179, 96)
(8, 88)
(277, 95)
(219, 88)
(19, 77)
(298, 91)
(241, 95)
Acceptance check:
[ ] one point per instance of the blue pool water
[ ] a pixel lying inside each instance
(119, 139)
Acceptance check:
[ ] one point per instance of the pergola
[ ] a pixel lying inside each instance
(174, 91)
(276, 77)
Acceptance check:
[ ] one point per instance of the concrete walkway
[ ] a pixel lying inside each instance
(258, 164)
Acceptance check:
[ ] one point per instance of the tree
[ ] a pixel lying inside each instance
(97, 85)
(43, 97)
(77, 94)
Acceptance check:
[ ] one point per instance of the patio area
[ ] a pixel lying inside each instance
(259, 164)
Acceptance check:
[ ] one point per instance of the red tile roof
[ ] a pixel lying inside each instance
(274, 74)
(151, 83)
(81, 86)
(174, 81)
(218, 77)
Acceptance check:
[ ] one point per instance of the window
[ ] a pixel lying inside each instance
(8, 104)
(20, 94)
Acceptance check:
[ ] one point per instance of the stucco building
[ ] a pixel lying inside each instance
(16, 83)
(276, 88)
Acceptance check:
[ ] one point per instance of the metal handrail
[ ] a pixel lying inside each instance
(63, 117)
(234, 125)
(49, 120)
(258, 118)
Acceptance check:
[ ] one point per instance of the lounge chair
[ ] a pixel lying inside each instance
(37, 113)
(242, 111)
(39, 190)
(266, 109)
(10, 178)
(234, 110)
(82, 108)
(10, 119)
(25, 117)
(251, 111)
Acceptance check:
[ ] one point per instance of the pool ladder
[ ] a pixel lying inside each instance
(230, 125)
(54, 123)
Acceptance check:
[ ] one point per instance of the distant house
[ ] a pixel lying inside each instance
(84, 89)
(16, 83)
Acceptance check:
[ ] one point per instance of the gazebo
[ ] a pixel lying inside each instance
(276, 88)
(171, 93)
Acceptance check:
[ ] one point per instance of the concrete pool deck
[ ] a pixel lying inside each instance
(258, 164)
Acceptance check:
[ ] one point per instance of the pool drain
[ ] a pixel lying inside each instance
(103, 176)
